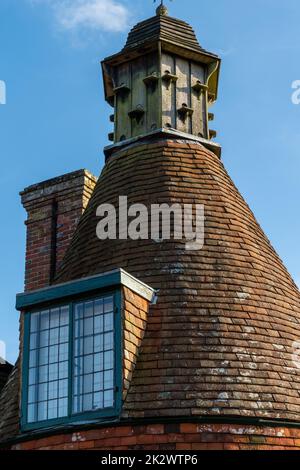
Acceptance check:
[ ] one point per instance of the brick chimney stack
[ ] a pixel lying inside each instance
(54, 208)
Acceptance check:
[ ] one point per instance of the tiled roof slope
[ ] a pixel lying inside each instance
(163, 28)
(219, 341)
(9, 406)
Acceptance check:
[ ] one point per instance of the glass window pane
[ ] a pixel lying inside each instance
(33, 341)
(79, 309)
(54, 335)
(62, 407)
(108, 398)
(32, 394)
(52, 390)
(54, 318)
(108, 322)
(88, 345)
(108, 360)
(44, 320)
(34, 322)
(88, 383)
(63, 388)
(98, 381)
(108, 379)
(108, 304)
(78, 366)
(78, 347)
(50, 361)
(78, 328)
(42, 411)
(52, 409)
(64, 316)
(88, 364)
(98, 343)
(44, 338)
(98, 308)
(98, 362)
(53, 354)
(53, 372)
(88, 326)
(64, 334)
(77, 403)
(98, 400)
(108, 341)
(63, 369)
(43, 356)
(32, 415)
(43, 391)
(98, 325)
(64, 352)
(78, 385)
(88, 309)
(88, 402)
(92, 339)
(33, 358)
(32, 376)
(43, 374)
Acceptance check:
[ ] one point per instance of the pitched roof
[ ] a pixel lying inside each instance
(164, 28)
(219, 341)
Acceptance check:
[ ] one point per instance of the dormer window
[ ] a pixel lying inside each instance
(73, 360)
(70, 365)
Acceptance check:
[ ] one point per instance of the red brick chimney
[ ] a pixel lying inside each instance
(54, 208)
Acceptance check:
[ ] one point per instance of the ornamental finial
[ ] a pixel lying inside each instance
(162, 9)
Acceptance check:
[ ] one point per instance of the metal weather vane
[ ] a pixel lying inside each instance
(161, 2)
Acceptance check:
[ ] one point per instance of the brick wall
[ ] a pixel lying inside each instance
(180, 437)
(54, 208)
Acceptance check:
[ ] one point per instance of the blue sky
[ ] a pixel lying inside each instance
(56, 120)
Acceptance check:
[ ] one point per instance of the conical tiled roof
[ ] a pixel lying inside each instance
(164, 28)
(219, 341)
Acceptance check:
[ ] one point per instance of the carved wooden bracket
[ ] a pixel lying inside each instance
(199, 88)
(137, 113)
(184, 112)
(122, 90)
(169, 78)
(151, 81)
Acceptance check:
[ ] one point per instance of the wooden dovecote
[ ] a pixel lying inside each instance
(162, 79)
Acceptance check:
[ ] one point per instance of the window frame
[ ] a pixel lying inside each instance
(86, 416)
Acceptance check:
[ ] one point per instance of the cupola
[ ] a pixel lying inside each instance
(161, 81)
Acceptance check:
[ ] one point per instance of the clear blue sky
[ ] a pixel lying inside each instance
(56, 120)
